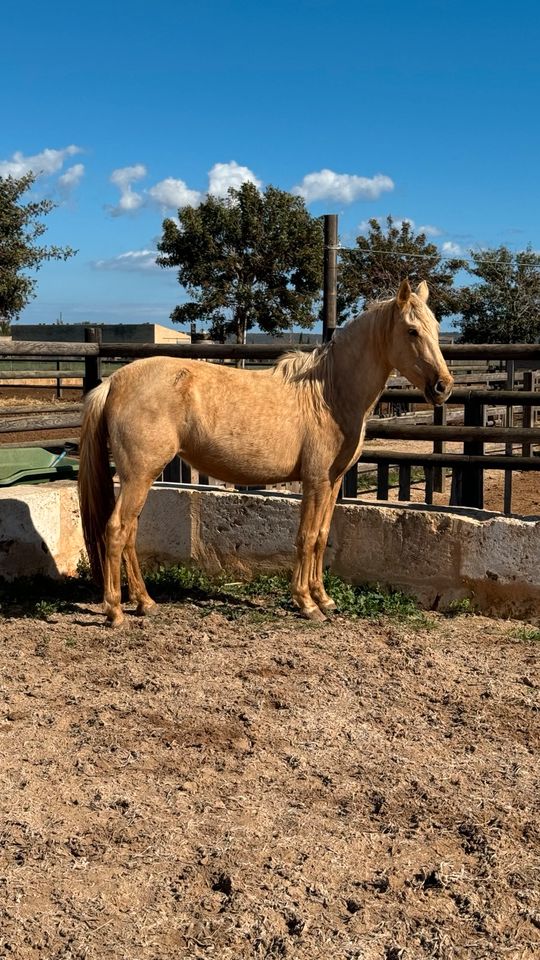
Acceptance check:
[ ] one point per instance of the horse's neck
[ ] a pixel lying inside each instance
(360, 363)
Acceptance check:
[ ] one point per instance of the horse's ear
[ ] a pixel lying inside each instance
(422, 291)
(404, 293)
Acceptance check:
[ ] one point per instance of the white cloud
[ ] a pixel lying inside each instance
(174, 193)
(72, 177)
(429, 230)
(42, 164)
(364, 226)
(171, 193)
(132, 260)
(122, 178)
(342, 187)
(451, 249)
(398, 222)
(222, 176)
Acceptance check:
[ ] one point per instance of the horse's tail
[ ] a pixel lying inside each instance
(96, 491)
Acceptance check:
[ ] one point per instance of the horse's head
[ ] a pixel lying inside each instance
(414, 344)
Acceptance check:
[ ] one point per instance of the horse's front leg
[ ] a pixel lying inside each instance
(316, 585)
(314, 503)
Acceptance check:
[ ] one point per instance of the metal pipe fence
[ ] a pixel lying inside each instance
(467, 467)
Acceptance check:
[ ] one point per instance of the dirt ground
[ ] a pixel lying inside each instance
(193, 786)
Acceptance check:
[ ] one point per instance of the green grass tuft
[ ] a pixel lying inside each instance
(272, 593)
(263, 597)
(526, 634)
(461, 608)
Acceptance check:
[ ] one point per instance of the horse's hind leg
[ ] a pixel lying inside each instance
(120, 527)
(136, 585)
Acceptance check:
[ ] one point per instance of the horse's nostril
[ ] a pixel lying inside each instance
(440, 386)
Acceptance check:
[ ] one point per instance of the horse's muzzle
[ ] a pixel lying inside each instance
(438, 392)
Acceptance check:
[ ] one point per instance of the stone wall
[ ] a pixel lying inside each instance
(437, 555)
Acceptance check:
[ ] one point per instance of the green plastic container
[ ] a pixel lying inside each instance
(35, 465)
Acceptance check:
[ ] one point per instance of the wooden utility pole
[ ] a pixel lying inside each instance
(330, 275)
(92, 364)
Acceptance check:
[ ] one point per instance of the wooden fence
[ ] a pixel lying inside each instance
(467, 467)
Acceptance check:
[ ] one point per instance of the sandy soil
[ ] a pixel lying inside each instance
(194, 786)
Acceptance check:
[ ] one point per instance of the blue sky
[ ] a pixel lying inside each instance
(424, 110)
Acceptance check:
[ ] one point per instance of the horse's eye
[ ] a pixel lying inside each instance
(413, 332)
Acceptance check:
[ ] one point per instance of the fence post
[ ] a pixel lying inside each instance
(510, 384)
(330, 276)
(404, 473)
(92, 365)
(439, 446)
(383, 481)
(528, 412)
(59, 391)
(172, 472)
(472, 481)
(349, 486)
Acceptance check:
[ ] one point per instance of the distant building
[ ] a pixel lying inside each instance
(287, 337)
(110, 332)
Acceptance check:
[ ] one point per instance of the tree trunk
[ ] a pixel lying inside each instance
(241, 328)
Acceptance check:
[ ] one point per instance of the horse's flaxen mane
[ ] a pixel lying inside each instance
(312, 370)
(294, 365)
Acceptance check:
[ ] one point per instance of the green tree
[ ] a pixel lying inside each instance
(504, 307)
(249, 258)
(375, 267)
(20, 231)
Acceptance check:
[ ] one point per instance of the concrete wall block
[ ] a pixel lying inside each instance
(501, 549)
(165, 526)
(416, 551)
(30, 531)
(244, 534)
(435, 555)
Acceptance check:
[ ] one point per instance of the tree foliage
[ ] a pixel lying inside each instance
(20, 230)
(504, 307)
(375, 267)
(250, 258)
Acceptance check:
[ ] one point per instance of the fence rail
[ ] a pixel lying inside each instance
(241, 351)
(467, 467)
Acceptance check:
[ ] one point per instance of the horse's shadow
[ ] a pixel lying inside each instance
(30, 582)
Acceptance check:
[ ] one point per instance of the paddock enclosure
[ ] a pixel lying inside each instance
(229, 784)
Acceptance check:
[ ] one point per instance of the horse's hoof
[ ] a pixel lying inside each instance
(313, 614)
(114, 622)
(329, 610)
(147, 609)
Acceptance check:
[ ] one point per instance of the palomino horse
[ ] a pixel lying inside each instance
(303, 419)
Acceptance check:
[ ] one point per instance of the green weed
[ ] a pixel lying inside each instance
(461, 608)
(272, 593)
(264, 597)
(526, 634)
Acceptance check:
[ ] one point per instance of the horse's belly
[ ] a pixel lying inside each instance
(242, 462)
